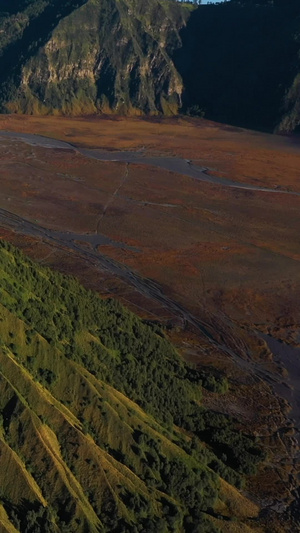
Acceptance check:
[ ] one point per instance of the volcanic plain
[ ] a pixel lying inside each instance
(216, 264)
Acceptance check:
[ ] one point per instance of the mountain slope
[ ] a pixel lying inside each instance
(238, 62)
(235, 62)
(78, 453)
(90, 56)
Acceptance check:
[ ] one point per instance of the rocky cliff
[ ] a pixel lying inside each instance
(98, 55)
(236, 62)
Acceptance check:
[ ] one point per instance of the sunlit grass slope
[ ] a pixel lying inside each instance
(101, 425)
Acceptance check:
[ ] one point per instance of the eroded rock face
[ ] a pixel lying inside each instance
(233, 62)
(100, 56)
(291, 120)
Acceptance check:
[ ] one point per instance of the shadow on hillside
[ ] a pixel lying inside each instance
(237, 62)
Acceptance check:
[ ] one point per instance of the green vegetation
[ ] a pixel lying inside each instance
(101, 420)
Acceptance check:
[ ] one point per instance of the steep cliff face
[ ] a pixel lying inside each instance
(100, 55)
(290, 122)
(234, 62)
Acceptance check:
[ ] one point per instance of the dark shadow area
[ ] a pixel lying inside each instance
(29, 516)
(13, 6)
(106, 82)
(237, 62)
(8, 411)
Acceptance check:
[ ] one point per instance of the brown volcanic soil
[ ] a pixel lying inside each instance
(207, 245)
(206, 259)
(198, 240)
(234, 153)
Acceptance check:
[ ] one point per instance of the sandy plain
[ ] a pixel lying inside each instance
(216, 265)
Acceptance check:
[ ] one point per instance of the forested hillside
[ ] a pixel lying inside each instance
(102, 427)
